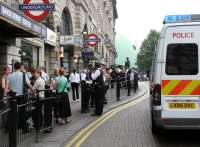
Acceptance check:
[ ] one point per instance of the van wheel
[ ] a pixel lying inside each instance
(154, 128)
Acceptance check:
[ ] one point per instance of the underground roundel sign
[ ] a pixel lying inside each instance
(92, 39)
(36, 9)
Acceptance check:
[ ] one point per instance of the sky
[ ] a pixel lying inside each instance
(138, 17)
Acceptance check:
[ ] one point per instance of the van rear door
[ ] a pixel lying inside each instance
(180, 96)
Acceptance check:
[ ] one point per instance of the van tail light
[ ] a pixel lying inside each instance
(156, 95)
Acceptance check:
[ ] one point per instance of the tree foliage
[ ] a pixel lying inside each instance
(145, 56)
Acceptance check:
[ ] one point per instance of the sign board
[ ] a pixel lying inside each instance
(92, 39)
(87, 54)
(36, 9)
(71, 40)
(20, 19)
(51, 37)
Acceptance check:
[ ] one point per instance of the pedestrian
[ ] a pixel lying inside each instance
(4, 85)
(135, 81)
(31, 76)
(17, 83)
(99, 85)
(53, 83)
(107, 79)
(39, 85)
(4, 90)
(75, 81)
(44, 75)
(64, 110)
(54, 78)
(127, 63)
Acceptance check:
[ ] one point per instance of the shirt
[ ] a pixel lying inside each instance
(96, 74)
(62, 84)
(15, 82)
(39, 85)
(83, 76)
(45, 76)
(74, 78)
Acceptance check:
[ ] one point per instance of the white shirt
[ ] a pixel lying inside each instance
(39, 85)
(45, 76)
(96, 74)
(83, 76)
(74, 78)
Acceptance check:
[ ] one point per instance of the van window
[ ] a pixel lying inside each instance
(182, 59)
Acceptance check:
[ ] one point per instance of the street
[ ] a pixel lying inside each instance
(131, 127)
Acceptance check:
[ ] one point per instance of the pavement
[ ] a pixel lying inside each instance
(61, 133)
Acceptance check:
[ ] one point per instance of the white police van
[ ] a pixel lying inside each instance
(175, 75)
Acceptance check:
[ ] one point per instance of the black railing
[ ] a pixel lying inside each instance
(25, 115)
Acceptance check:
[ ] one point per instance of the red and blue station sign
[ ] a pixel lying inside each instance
(29, 6)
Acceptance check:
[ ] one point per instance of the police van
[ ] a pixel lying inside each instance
(175, 75)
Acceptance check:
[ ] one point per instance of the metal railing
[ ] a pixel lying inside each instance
(25, 115)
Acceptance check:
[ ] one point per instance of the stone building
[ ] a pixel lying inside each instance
(66, 28)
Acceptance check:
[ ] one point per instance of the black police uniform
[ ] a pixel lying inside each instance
(128, 78)
(99, 86)
(86, 94)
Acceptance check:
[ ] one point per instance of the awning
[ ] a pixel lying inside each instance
(71, 40)
(14, 24)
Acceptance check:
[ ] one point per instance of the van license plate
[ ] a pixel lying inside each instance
(182, 105)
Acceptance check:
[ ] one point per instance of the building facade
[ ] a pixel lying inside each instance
(66, 29)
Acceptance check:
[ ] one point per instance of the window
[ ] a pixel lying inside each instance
(182, 59)
(66, 23)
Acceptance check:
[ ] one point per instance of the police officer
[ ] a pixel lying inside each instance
(128, 78)
(99, 85)
(86, 84)
(135, 80)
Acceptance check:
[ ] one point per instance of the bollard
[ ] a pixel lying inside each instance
(118, 89)
(12, 123)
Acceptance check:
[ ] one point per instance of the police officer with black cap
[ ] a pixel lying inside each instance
(99, 85)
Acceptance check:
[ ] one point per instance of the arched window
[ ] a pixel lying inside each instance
(66, 23)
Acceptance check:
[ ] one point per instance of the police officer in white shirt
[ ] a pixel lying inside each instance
(75, 81)
(99, 85)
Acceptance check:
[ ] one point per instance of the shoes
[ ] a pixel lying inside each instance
(67, 120)
(61, 121)
(74, 101)
(77, 100)
(47, 131)
(128, 95)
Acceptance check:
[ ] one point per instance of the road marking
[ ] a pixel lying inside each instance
(80, 137)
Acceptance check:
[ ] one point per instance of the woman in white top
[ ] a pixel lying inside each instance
(75, 81)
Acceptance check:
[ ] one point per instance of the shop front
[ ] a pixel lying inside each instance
(71, 52)
(14, 28)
